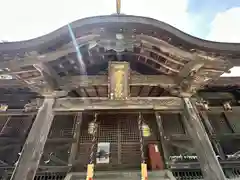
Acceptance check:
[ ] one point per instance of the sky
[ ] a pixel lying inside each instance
(216, 20)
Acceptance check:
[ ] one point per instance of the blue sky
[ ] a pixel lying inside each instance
(207, 11)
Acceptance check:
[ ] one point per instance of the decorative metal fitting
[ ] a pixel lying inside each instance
(203, 105)
(227, 106)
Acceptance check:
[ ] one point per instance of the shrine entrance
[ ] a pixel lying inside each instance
(118, 140)
(113, 63)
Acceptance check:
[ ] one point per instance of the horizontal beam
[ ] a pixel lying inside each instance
(21, 112)
(81, 104)
(72, 82)
(102, 80)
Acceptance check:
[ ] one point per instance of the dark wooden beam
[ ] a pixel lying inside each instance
(21, 112)
(76, 136)
(33, 148)
(80, 104)
(163, 138)
(210, 166)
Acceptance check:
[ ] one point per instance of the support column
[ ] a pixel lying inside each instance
(33, 148)
(163, 138)
(76, 136)
(210, 166)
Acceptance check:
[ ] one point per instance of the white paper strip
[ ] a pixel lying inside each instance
(103, 153)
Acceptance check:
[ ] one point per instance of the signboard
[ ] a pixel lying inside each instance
(103, 152)
(119, 76)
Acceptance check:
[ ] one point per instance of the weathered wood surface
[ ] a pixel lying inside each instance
(102, 80)
(76, 136)
(210, 130)
(33, 148)
(80, 104)
(210, 166)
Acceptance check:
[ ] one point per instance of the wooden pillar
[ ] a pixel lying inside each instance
(33, 148)
(76, 136)
(163, 138)
(210, 166)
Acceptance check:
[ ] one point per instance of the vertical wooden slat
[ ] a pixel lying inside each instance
(76, 136)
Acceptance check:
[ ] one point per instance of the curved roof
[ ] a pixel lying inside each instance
(144, 42)
(140, 25)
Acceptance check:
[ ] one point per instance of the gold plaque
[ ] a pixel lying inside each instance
(118, 75)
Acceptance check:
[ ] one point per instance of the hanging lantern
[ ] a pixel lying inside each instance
(91, 127)
(145, 130)
(227, 106)
(3, 107)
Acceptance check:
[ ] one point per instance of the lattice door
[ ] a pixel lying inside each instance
(121, 131)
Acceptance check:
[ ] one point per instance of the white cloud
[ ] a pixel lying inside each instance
(26, 19)
(226, 26)
(172, 12)
(234, 72)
